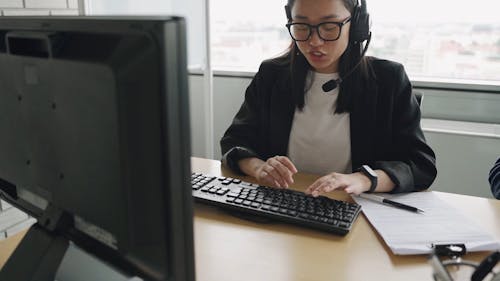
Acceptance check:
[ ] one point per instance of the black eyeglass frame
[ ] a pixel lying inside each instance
(311, 27)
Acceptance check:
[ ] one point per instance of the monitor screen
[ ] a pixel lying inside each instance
(95, 137)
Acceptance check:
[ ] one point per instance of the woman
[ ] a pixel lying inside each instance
(325, 108)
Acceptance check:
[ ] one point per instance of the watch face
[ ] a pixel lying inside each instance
(369, 171)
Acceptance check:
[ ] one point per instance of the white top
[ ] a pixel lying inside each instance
(320, 141)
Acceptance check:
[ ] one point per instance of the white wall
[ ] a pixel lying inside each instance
(192, 10)
(128, 7)
(38, 7)
(463, 162)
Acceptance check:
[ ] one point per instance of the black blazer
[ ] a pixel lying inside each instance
(385, 125)
(494, 179)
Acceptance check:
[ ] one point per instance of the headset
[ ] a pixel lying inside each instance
(360, 24)
(359, 32)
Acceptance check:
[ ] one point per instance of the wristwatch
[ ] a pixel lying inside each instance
(370, 173)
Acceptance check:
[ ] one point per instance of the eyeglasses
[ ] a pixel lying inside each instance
(327, 31)
(457, 269)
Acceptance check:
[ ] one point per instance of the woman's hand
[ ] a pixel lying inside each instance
(276, 171)
(351, 183)
(355, 183)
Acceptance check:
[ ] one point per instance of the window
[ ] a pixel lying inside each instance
(445, 39)
(244, 33)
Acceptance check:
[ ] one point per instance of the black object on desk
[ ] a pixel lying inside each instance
(95, 143)
(449, 270)
(486, 266)
(285, 205)
(383, 200)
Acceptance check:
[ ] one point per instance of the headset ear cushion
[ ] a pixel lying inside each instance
(288, 13)
(360, 25)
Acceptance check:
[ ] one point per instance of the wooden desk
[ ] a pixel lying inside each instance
(229, 248)
(8, 246)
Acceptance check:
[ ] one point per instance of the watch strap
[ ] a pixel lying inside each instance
(367, 171)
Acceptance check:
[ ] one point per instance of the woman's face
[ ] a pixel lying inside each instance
(322, 55)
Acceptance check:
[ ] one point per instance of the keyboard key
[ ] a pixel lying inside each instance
(266, 207)
(323, 219)
(304, 215)
(333, 222)
(232, 194)
(255, 205)
(221, 192)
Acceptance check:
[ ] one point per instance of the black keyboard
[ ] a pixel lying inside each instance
(285, 205)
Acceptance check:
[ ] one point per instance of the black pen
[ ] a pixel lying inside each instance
(383, 200)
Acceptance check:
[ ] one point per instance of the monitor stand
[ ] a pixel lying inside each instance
(37, 257)
(79, 265)
(43, 256)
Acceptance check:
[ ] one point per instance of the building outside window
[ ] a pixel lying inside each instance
(435, 40)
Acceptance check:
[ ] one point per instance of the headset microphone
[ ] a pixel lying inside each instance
(334, 83)
(331, 84)
(360, 31)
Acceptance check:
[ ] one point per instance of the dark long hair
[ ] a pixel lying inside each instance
(351, 85)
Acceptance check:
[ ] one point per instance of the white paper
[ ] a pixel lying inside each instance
(4, 205)
(22, 225)
(11, 217)
(409, 233)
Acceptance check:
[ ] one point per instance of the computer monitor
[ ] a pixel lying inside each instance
(95, 142)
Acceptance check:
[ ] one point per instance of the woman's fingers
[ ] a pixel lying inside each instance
(267, 179)
(275, 175)
(326, 184)
(284, 172)
(287, 163)
(314, 186)
(279, 171)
